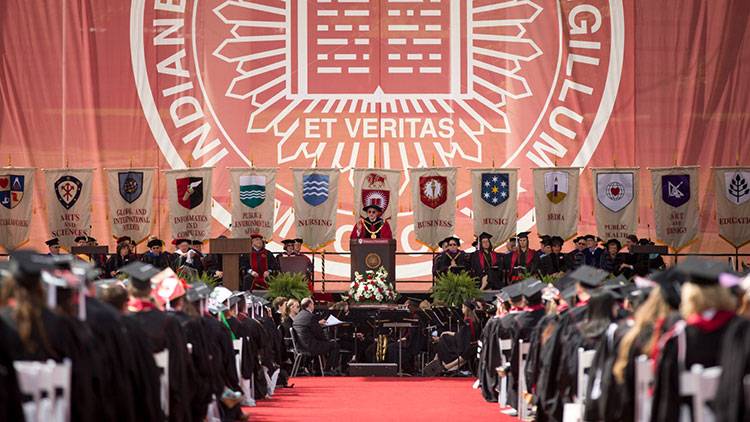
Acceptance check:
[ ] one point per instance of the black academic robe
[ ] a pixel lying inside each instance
(143, 374)
(115, 262)
(522, 262)
(553, 263)
(161, 261)
(459, 260)
(450, 347)
(260, 261)
(702, 347)
(10, 395)
(613, 264)
(489, 359)
(605, 396)
(162, 331)
(487, 263)
(523, 326)
(179, 261)
(575, 259)
(199, 368)
(732, 405)
(213, 263)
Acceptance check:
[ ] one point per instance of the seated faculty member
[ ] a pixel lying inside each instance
(311, 336)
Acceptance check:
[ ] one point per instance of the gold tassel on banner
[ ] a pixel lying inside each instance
(10, 162)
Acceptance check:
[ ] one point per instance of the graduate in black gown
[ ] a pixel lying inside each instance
(452, 259)
(486, 264)
(708, 310)
(523, 261)
(163, 331)
(490, 357)
(452, 346)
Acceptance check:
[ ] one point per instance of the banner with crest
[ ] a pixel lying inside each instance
(68, 200)
(676, 212)
(316, 193)
(253, 197)
(16, 194)
(733, 204)
(130, 194)
(494, 196)
(556, 200)
(616, 203)
(433, 193)
(377, 187)
(189, 193)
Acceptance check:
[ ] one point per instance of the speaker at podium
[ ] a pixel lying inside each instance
(371, 254)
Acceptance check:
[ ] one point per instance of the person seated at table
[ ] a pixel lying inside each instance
(156, 256)
(311, 336)
(373, 226)
(186, 259)
(453, 259)
(120, 259)
(257, 266)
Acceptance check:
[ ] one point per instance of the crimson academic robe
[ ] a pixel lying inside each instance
(365, 229)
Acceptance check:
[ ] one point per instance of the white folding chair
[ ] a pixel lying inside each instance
(644, 379)
(245, 384)
(573, 412)
(40, 381)
(505, 346)
(162, 362)
(701, 385)
(523, 355)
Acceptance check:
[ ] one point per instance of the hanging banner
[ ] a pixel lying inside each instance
(433, 193)
(130, 195)
(556, 201)
(494, 202)
(253, 196)
(316, 193)
(733, 204)
(377, 187)
(68, 203)
(189, 193)
(676, 213)
(16, 193)
(616, 204)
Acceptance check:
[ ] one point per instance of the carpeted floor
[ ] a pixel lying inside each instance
(341, 399)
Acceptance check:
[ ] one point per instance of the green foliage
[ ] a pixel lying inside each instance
(192, 277)
(548, 279)
(454, 289)
(290, 285)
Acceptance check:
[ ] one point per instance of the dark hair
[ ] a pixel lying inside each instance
(598, 315)
(121, 246)
(115, 295)
(633, 238)
(28, 316)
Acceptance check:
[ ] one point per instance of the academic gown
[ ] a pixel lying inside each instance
(703, 345)
(575, 259)
(523, 326)
(260, 261)
(591, 258)
(459, 260)
(161, 261)
(199, 369)
(527, 259)
(142, 373)
(605, 396)
(731, 404)
(10, 395)
(553, 263)
(488, 264)
(164, 331)
(449, 348)
(181, 260)
(366, 228)
(115, 262)
(489, 359)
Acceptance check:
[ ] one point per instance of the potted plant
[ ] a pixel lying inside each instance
(290, 285)
(454, 289)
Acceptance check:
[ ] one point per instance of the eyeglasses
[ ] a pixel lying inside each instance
(452, 244)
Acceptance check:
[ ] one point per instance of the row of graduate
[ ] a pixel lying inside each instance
(111, 329)
(255, 266)
(695, 313)
(496, 269)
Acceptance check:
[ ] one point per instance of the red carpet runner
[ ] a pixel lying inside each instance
(341, 399)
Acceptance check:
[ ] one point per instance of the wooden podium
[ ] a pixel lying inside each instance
(371, 254)
(230, 250)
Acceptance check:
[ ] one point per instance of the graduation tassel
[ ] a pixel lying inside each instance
(10, 163)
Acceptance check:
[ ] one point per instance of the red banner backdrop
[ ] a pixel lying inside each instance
(482, 83)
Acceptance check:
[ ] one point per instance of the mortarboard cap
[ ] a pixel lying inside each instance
(197, 242)
(556, 241)
(236, 298)
(564, 282)
(102, 285)
(256, 236)
(53, 242)
(299, 240)
(155, 242)
(523, 235)
(288, 242)
(589, 277)
(502, 296)
(485, 235)
(452, 238)
(533, 291)
(197, 291)
(514, 291)
(140, 274)
(123, 239)
(81, 239)
(91, 239)
(701, 271)
(569, 294)
(177, 242)
(27, 265)
(670, 281)
(545, 240)
(470, 304)
(614, 242)
(372, 206)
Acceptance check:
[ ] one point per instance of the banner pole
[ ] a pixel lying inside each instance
(737, 259)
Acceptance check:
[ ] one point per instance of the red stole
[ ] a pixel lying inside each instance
(514, 258)
(707, 325)
(493, 258)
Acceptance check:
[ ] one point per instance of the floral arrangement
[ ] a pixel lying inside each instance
(372, 287)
